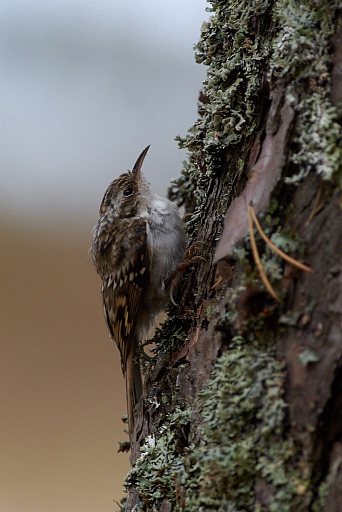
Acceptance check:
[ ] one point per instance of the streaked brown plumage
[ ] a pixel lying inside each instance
(137, 241)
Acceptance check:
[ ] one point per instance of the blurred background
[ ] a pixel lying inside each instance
(85, 86)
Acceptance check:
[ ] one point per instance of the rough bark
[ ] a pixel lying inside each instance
(242, 409)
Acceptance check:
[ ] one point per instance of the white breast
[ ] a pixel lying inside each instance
(168, 238)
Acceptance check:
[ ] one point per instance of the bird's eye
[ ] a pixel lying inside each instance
(128, 192)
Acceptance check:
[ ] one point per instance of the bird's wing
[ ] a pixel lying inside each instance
(123, 284)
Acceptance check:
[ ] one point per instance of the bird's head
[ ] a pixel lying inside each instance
(124, 195)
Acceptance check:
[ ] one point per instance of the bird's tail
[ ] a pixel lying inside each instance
(134, 387)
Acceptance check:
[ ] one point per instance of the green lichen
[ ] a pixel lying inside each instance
(243, 446)
(235, 52)
(301, 55)
(300, 51)
(160, 472)
(234, 48)
(318, 138)
(308, 356)
(325, 486)
(237, 47)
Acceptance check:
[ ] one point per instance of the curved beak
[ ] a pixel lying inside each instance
(139, 162)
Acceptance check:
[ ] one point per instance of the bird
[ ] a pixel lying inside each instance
(138, 241)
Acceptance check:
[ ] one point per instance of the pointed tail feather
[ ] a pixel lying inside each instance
(134, 388)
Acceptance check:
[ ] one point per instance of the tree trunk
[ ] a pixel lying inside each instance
(243, 402)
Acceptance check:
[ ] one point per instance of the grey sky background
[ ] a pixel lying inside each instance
(85, 86)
